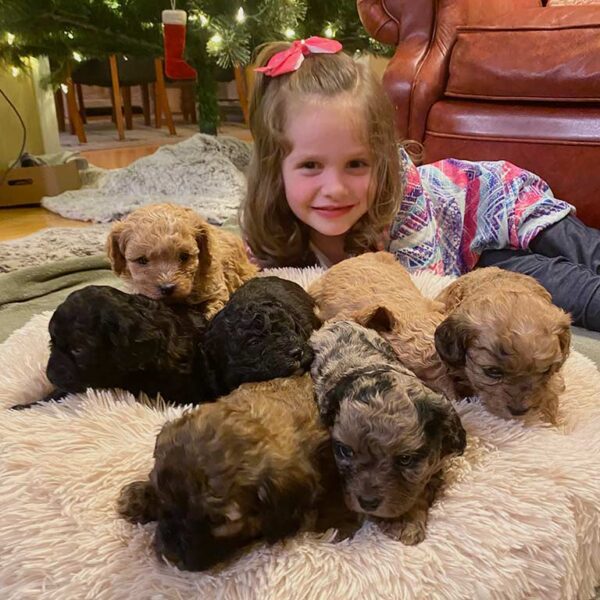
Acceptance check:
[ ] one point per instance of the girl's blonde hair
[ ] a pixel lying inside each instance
(275, 235)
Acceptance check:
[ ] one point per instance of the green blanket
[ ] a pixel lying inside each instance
(30, 291)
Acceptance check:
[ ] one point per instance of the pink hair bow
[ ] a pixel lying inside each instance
(290, 60)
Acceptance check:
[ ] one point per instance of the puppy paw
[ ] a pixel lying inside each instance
(137, 502)
(409, 533)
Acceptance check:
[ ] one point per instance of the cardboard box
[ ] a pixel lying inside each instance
(28, 185)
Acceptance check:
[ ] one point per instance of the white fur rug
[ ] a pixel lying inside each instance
(520, 517)
(203, 172)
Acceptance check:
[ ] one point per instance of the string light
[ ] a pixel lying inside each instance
(214, 43)
(77, 56)
(10, 38)
(64, 88)
(69, 35)
(329, 31)
(289, 33)
(240, 17)
(203, 19)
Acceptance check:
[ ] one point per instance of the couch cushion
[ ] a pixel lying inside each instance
(546, 54)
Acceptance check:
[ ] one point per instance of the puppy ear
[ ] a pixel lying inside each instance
(564, 335)
(284, 499)
(113, 248)
(452, 338)
(205, 239)
(440, 421)
(379, 318)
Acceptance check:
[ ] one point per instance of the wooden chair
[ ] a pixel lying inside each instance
(119, 74)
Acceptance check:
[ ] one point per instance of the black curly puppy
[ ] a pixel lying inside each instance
(261, 333)
(101, 337)
(104, 338)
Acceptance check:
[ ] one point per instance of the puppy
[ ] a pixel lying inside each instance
(505, 342)
(101, 337)
(376, 291)
(392, 435)
(262, 333)
(168, 252)
(255, 464)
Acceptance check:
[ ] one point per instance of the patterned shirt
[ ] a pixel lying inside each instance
(453, 210)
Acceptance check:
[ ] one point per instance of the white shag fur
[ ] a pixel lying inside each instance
(519, 517)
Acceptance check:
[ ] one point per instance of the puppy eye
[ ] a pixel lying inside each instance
(184, 257)
(142, 260)
(493, 372)
(404, 460)
(342, 451)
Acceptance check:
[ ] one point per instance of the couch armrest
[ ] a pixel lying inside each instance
(408, 25)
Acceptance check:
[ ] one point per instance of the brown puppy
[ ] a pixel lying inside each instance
(504, 341)
(255, 464)
(168, 252)
(375, 290)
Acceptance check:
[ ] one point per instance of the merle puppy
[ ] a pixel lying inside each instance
(104, 338)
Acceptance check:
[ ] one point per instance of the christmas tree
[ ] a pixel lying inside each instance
(221, 34)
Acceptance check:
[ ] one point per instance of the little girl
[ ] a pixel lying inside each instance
(326, 181)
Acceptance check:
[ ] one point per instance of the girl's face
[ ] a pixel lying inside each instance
(327, 175)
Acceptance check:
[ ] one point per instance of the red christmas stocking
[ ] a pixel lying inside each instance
(174, 41)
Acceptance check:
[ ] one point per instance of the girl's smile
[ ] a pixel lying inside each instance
(332, 212)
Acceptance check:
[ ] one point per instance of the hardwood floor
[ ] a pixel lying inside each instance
(16, 222)
(19, 221)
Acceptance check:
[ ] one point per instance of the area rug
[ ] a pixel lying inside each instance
(519, 517)
(203, 172)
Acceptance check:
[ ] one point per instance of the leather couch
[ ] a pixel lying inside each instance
(517, 80)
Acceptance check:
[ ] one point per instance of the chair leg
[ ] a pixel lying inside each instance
(162, 93)
(81, 103)
(116, 92)
(183, 101)
(74, 116)
(242, 89)
(157, 107)
(146, 103)
(127, 103)
(60, 110)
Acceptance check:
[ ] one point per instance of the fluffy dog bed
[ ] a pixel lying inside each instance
(519, 518)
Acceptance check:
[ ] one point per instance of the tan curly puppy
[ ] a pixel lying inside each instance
(375, 290)
(255, 464)
(169, 252)
(504, 341)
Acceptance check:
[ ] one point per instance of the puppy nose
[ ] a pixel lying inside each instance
(167, 289)
(517, 412)
(369, 503)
